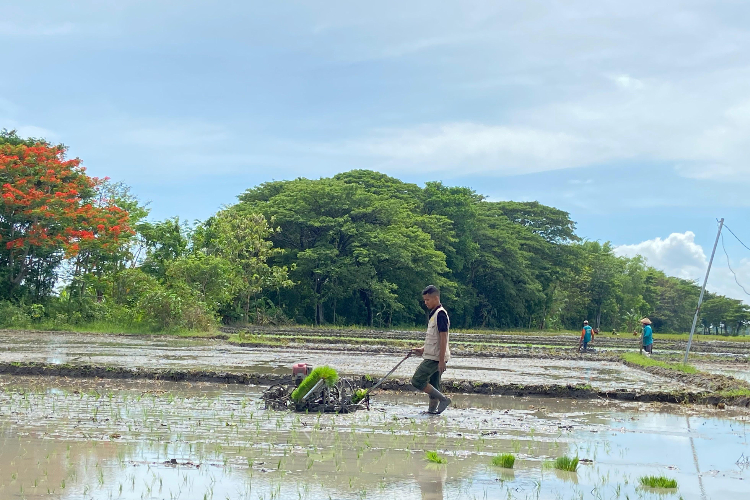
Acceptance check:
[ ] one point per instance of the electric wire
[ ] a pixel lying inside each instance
(730, 267)
(738, 239)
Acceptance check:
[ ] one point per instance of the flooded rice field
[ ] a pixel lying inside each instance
(82, 439)
(175, 353)
(736, 370)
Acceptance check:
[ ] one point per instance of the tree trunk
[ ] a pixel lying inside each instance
(368, 305)
(247, 309)
(318, 302)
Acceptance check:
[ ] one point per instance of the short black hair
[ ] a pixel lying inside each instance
(431, 290)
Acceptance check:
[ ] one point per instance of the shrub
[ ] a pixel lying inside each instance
(13, 316)
(657, 482)
(504, 460)
(566, 464)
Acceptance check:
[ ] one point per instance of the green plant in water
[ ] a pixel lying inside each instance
(658, 482)
(320, 373)
(432, 456)
(504, 460)
(566, 463)
(359, 395)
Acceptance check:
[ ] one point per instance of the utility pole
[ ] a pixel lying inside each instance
(703, 290)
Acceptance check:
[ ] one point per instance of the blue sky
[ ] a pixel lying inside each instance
(634, 117)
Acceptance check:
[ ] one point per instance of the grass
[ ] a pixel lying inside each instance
(735, 393)
(504, 460)
(100, 327)
(566, 464)
(638, 359)
(322, 372)
(657, 482)
(432, 456)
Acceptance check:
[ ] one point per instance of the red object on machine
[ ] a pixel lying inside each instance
(300, 371)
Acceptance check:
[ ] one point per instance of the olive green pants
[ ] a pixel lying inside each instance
(427, 372)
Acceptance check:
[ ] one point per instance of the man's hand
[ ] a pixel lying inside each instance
(417, 351)
(442, 366)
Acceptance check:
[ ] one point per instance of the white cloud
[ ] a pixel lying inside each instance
(37, 29)
(466, 147)
(704, 135)
(679, 255)
(627, 82)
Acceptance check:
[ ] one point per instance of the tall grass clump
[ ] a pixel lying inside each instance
(504, 460)
(322, 372)
(566, 463)
(432, 456)
(658, 482)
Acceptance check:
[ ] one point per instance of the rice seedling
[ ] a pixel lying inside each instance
(657, 482)
(504, 460)
(359, 395)
(432, 456)
(320, 373)
(566, 464)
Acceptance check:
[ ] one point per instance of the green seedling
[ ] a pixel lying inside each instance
(359, 395)
(566, 464)
(432, 456)
(658, 482)
(320, 373)
(504, 460)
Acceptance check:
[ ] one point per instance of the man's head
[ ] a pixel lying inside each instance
(585, 322)
(431, 297)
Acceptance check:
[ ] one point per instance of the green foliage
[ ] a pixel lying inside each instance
(639, 359)
(432, 456)
(359, 395)
(566, 464)
(321, 372)
(657, 482)
(354, 249)
(505, 460)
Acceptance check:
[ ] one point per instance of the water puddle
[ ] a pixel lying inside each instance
(81, 439)
(164, 352)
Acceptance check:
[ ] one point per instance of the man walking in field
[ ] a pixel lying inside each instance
(435, 353)
(648, 336)
(587, 335)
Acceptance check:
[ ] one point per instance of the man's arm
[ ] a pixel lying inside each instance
(442, 323)
(443, 347)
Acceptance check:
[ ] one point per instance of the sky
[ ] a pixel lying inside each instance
(632, 116)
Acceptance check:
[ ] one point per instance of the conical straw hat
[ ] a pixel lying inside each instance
(646, 321)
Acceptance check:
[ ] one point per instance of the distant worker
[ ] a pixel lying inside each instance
(648, 336)
(587, 335)
(435, 352)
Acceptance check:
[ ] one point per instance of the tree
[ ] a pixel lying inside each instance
(242, 240)
(49, 211)
(364, 248)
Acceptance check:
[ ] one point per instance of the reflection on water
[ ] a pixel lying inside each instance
(175, 353)
(132, 440)
(431, 478)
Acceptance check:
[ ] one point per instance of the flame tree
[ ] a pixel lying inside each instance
(50, 209)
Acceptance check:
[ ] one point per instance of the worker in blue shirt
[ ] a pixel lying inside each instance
(648, 336)
(587, 335)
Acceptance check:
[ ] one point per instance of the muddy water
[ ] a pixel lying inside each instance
(161, 352)
(131, 440)
(733, 370)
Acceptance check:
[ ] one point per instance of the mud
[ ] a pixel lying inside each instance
(396, 384)
(490, 341)
(184, 356)
(75, 439)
